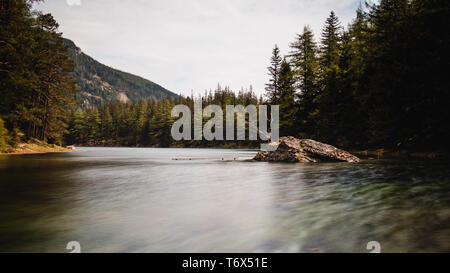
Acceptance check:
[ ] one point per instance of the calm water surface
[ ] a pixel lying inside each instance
(140, 200)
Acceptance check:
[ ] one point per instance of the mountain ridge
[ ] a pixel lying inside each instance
(99, 83)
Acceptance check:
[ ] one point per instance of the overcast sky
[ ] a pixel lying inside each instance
(187, 45)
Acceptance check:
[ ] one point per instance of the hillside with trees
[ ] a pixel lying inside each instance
(99, 83)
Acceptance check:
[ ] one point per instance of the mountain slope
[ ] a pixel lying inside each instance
(99, 83)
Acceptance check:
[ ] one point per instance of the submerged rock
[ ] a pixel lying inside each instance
(291, 149)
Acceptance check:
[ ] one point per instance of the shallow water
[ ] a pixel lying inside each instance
(140, 200)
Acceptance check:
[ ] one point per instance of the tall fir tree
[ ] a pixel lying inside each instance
(329, 71)
(38, 90)
(273, 87)
(3, 136)
(352, 86)
(287, 100)
(305, 63)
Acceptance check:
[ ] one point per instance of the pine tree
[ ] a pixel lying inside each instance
(17, 78)
(56, 93)
(273, 87)
(304, 59)
(329, 70)
(3, 136)
(37, 88)
(79, 131)
(351, 124)
(94, 126)
(140, 114)
(108, 131)
(331, 35)
(287, 100)
(390, 46)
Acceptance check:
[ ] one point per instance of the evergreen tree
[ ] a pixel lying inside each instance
(3, 136)
(78, 132)
(55, 92)
(17, 78)
(287, 102)
(407, 53)
(304, 59)
(352, 86)
(37, 88)
(140, 114)
(329, 70)
(273, 87)
(108, 131)
(94, 126)
(388, 48)
(329, 50)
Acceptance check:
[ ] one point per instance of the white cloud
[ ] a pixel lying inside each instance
(73, 2)
(193, 44)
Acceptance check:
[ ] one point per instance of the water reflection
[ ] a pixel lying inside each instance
(140, 200)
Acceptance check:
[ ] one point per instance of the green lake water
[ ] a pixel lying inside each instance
(140, 200)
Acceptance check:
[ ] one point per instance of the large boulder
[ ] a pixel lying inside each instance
(291, 149)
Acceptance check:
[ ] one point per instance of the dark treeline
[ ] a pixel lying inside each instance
(149, 123)
(380, 82)
(37, 90)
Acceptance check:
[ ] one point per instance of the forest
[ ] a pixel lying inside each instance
(37, 88)
(380, 82)
(149, 123)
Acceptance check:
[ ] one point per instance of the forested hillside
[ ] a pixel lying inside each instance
(99, 83)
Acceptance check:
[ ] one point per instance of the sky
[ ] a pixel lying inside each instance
(187, 45)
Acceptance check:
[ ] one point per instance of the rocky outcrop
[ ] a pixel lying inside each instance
(291, 149)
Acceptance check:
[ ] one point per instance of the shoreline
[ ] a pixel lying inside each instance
(375, 154)
(44, 148)
(36, 152)
(388, 154)
(36, 147)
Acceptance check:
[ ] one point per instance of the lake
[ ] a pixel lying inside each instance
(141, 200)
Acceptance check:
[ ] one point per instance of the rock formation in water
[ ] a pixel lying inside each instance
(291, 149)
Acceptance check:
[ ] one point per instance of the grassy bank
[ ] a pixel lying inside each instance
(34, 147)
